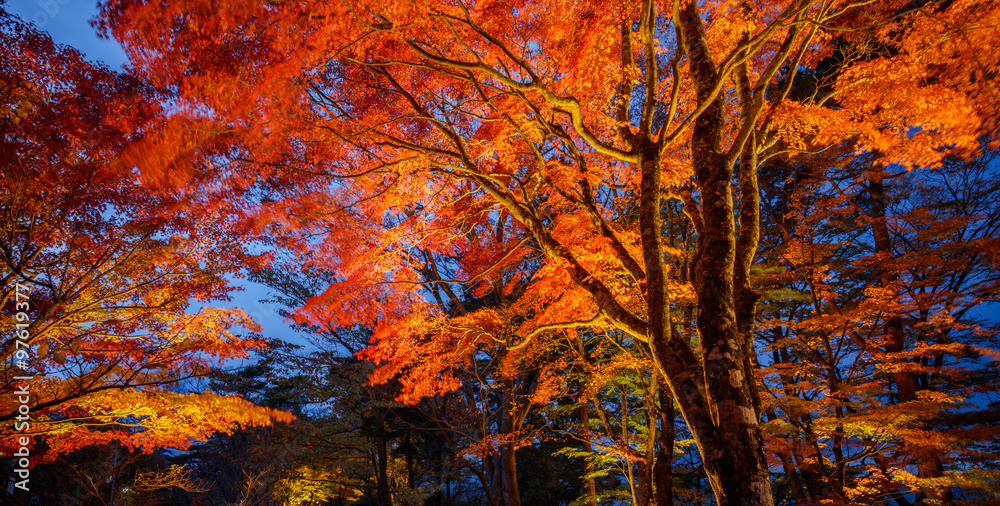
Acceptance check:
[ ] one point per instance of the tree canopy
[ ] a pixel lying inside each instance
(102, 277)
(775, 220)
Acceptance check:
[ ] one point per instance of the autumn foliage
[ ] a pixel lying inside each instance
(774, 219)
(112, 273)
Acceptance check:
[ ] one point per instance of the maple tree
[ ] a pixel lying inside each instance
(363, 133)
(313, 459)
(634, 422)
(858, 405)
(107, 272)
(482, 424)
(99, 474)
(501, 385)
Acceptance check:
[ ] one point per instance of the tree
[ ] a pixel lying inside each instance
(100, 275)
(862, 413)
(474, 432)
(108, 474)
(384, 127)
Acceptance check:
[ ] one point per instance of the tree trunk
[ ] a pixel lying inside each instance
(410, 471)
(644, 485)
(382, 465)
(646, 466)
(590, 485)
(510, 496)
(906, 382)
(723, 418)
(721, 413)
(927, 458)
(663, 471)
(794, 484)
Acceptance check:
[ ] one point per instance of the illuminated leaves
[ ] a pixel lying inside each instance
(113, 270)
(478, 182)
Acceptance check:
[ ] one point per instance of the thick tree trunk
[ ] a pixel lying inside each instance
(644, 483)
(906, 382)
(721, 413)
(511, 495)
(734, 450)
(723, 417)
(382, 474)
(928, 459)
(729, 434)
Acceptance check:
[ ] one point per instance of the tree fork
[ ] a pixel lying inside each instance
(736, 464)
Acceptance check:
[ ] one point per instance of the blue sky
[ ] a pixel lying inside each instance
(68, 22)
